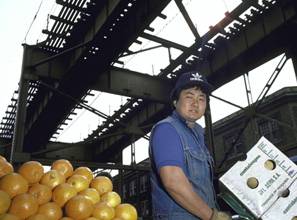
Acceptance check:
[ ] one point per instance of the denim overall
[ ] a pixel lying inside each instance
(197, 167)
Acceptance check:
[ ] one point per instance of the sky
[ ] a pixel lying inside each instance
(16, 18)
(23, 20)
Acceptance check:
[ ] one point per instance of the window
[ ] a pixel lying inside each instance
(143, 183)
(270, 130)
(144, 208)
(237, 149)
(132, 186)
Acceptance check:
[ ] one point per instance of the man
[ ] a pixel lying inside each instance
(181, 166)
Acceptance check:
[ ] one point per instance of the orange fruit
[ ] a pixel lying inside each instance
(85, 171)
(5, 168)
(52, 178)
(2, 158)
(5, 201)
(64, 166)
(79, 207)
(66, 218)
(32, 171)
(62, 193)
(50, 210)
(37, 216)
(23, 205)
(102, 184)
(91, 194)
(103, 211)
(14, 184)
(112, 198)
(117, 218)
(126, 212)
(92, 218)
(79, 182)
(8, 216)
(41, 192)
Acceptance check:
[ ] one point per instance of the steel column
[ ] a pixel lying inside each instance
(209, 133)
(20, 121)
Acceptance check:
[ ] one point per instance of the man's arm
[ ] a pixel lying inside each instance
(180, 189)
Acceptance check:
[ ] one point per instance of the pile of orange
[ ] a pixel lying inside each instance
(61, 193)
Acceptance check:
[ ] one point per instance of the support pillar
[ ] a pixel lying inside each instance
(120, 175)
(209, 132)
(133, 159)
(20, 120)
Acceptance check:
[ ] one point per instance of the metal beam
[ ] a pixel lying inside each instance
(40, 64)
(252, 45)
(165, 43)
(84, 64)
(134, 84)
(96, 165)
(275, 121)
(145, 115)
(20, 121)
(187, 18)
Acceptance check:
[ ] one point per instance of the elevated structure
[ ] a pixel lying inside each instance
(80, 54)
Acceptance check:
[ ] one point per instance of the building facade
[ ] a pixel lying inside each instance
(275, 118)
(136, 190)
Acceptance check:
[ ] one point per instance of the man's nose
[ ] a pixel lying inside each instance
(195, 102)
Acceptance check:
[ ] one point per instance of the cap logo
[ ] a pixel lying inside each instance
(196, 77)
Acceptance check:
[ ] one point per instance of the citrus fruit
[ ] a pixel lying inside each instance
(85, 171)
(8, 216)
(50, 210)
(91, 194)
(66, 218)
(79, 207)
(37, 216)
(23, 205)
(5, 201)
(41, 192)
(32, 171)
(64, 166)
(5, 168)
(14, 184)
(126, 211)
(79, 182)
(52, 178)
(103, 211)
(62, 193)
(102, 184)
(112, 198)
(92, 218)
(2, 158)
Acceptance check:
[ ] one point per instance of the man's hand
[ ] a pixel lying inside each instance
(219, 215)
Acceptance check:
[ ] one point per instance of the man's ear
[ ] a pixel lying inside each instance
(174, 103)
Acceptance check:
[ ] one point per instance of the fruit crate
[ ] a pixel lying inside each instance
(259, 181)
(285, 207)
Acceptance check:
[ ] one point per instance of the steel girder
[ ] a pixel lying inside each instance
(94, 54)
(250, 44)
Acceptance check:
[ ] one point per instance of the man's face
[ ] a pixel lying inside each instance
(191, 104)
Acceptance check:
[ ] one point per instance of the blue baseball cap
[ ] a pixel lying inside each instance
(191, 79)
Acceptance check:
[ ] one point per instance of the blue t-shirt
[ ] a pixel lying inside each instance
(167, 146)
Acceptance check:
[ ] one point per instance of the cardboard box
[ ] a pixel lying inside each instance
(285, 207)
(261, 179)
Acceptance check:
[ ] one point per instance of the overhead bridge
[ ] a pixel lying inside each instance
(79, 55)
